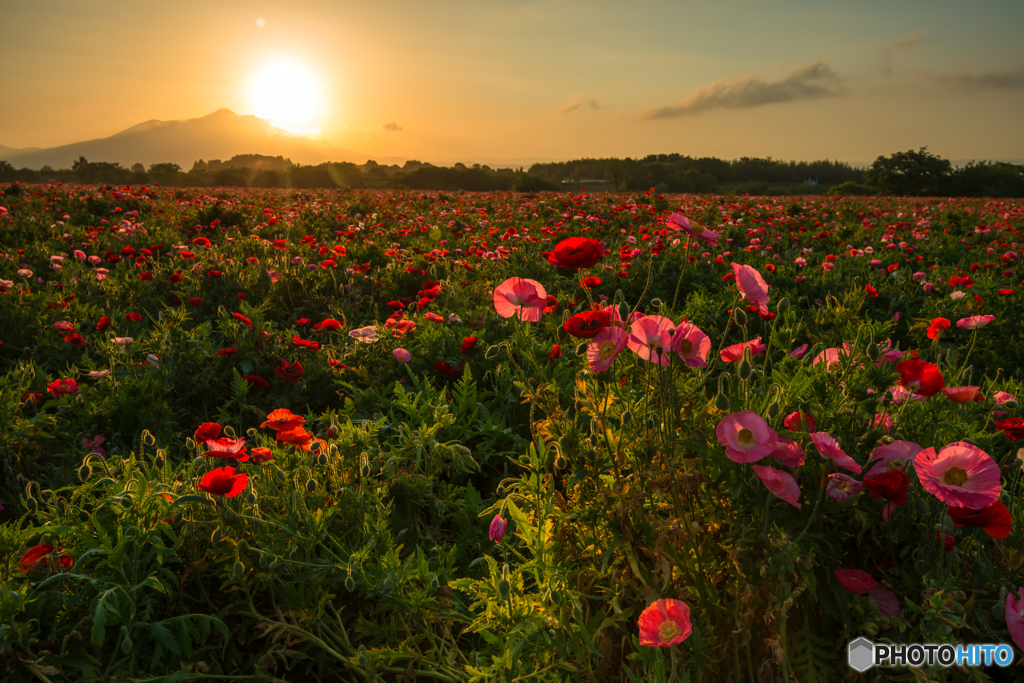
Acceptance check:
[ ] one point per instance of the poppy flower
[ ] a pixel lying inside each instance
(650, 337)
(872, 292)
(297, 436)
(556, 352)
(893, 456)
(856, 581)
(841, 486)
(591, 282)
(605, 347)
(63, 326)
(960, 475)
(522, 297)
(230, 351)
(468, 344)
(133, 317)
(587, 324)
(974, 322)
(936, 328)
(224, 482)
(226, 447)
(399, 327)
(61, 387)
(552, 304)
(496, 532)
(751, 286)
(103, 323)
(830, 450)
(576, 253)
(1015, 617)
(433, 317)
(446, 368)
(691, 344)
(961, 394)
(207, 431)
(780, 483)
(290, 372)
(734, 353)
(402, 355)
(256, 381)
(283, 419)
(1012, 427)
(304, 343)
(75, 339)
(789, 452)
(665, 623)
(746, 436)
(994, 519)
(32, 397)
(920, 377)
(367, 335)
(396, 305)
(36, 556)
(331, 325)
(800, 422)
(891, 485)
(261, 455)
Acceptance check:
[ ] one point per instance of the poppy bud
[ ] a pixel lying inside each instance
(364, 469)
(160, 460)
(196, 462)
(563, 334)
(148, 438)
(873, 351)
(744, 369)
(176, 519)
(350, 584)
(774, 410)
(503, 589)
(560, 463)
(998, 610)
(886, 439)
(126, 642)
(627, 417)
(331, 432)
(321, 460)
(216, 535)
(623, 311)
(740, 315)
(556, 597)
(280, 474)
(83, 516)
(84, 472)
(722, 402)
(657, 303)
(782, 306)
(581, 348)
(619, 297)
(493, 351)
(238, 570)
(250, 497)
(361, 657)
(311, 485)
(1010, 404)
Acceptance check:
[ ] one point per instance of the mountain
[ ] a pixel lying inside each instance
(220, 135)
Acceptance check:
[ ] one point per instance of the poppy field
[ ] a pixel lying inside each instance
(340, 435)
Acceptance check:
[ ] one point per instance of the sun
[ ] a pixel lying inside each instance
(289, 95)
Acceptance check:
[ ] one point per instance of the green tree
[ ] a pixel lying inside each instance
(910, 173)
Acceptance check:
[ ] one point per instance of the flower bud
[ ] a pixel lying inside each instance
(84, 472)
(83, 516)
(196, 462)
(238, 570)
(492, 352)
(311, 485)
(627, 417)
(657, 303)
(773, 410)
(560, 462)
(503, 589)
(744, 369)
(873, 351)
(782, 306)
(556, 597)
(722, 402)
(887, 439)
(582, 348)
(331, 432)
(1010, 404)
(216, 535)
(740, 316)
(350, 584)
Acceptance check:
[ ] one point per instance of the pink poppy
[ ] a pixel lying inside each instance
(782, 484)
(734, 353)
(832, 357)
(893, 456)
(605, 348)
(974, 322)
(841, 486)
(752, 286)
(367, 334)
(900, 394)
(855, 581)
(746, 436)
(665, 623)
(798, 352)
(960, 394)
(677, 222)
(650, 337)
(402, 356)
(1015, 617)
(960, 475)
(881, 421)
(692, 345)
(789, 452)
(886, 602)
(829, 448)
(517, 295)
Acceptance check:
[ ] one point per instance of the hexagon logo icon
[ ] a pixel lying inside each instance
(861, 655)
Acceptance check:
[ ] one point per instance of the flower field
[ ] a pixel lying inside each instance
(330, 435)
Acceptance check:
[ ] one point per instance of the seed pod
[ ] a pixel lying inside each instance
(873, 351)
(239, 570)
(492, 352)
(782, 306)
(312, 485)
(722, 402)
(740, 316)
(744, 369)
(503, 589)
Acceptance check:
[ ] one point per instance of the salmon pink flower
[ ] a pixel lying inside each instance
(780, 483)
(789, 453)
(665, 623)
(734, 353)
(433, 317)
(881, 421)
(746, 436)
(920, 377)
(261, 455)
(605, 348)
(994, 520)
(522, 297)
(367, 334)
(855, 580)
(93, 444)
(402, 356)
(1015, 617)
(800, 422)
(692, 345)
(830, 450)
(399, 327)
(226, 447)
(223, 482)
(677, 222)
(752, 286)
(960, 475)
(892, 456)
(798, 352)
(961, 394)
(650, 337)
(974, 322)
(841, 486)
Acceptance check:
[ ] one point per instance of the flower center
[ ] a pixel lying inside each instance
(954, 476)
(606, 349)
(669, 630)
(746, 437)
(685, 347)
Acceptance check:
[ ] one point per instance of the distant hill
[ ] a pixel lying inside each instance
(220, 135)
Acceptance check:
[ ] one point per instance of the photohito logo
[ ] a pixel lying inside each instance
(863, 654)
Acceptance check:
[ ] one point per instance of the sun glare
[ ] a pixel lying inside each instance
(288, 95)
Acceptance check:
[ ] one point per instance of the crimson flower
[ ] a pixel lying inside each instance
(133, 317)
(665, 623)
(556, 352)
(936, 328)
(60, 387)
(586, 325)
(468, 344)
(1012, 427)
(103, 323)
(891, 485)
(256, 381)
(921, 377)
(800, 422)
(207, 431)
(35, 558)
(872, 292)
(223, 482)
(290, 372)
(576, 253)
(994, 519)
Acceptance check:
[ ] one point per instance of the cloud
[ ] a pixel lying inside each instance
(1011, 79)
(578, 102)
(810, 82)
(391, 127)
(900, 47)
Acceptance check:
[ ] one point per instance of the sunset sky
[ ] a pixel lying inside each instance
(511, 79)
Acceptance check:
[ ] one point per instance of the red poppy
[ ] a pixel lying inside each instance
(576, 253)
(195, 301)
(872, 292)
(103, 323)
(446, 368)
(800, 422)
(296, 342)
(283, 419)
(174, 278)
(588, 324)
(75, 339)
(230, 351)
(261, 455)
(290, 372)
(396, 305)
(556, 352)
(891, 485)
(207, 431)
(35, 558)
(33, 397)
(331, 325)
(590, 282)
(936, 328)
(921, 377)
(296, 436)
(60, 387)
(223, 482)
(256, 381)
(239, 316)
(146, 276)
(468, 344)
(1012, 427)
(226, 447)
(552, 305)
(994, 520)
(948, 542)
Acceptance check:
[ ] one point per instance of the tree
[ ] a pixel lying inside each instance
(911, 173)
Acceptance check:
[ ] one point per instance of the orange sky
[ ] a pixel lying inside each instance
(450, 80)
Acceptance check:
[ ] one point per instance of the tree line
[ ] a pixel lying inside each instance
(910, 173)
